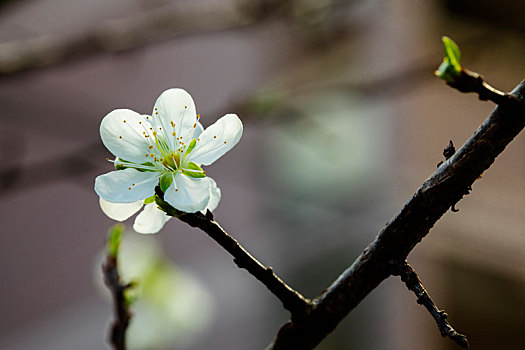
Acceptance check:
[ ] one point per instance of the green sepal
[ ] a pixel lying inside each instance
(119, 166)
(113, 241)
(165, 181)
(191, 146)
(450, 68)
(149, 200)
(193, 170)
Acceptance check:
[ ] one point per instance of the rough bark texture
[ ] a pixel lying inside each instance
(392, 245)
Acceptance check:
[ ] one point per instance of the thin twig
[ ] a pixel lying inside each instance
(292, 301)
(122, 315)
(397, 239)
(413, 283)
(469, 81)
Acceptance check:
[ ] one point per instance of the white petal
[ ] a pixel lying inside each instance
(175, 107)
(188, 194)
(126, 186)
(215, 195)
(151, 219)
(123, 132)
(198, 130)
(216, 140)
(120, 211)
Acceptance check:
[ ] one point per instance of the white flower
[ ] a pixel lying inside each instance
(166, 149)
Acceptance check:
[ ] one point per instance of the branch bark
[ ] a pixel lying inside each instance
(413, 283)
(438, 193)
(119, 326)
(292, 301)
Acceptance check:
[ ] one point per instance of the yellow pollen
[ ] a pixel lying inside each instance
(173, 133)
(176, 189)
(150, 147)
(107, 159)
(147, 155)
(198, 116)
(151, 155)
(194, 125)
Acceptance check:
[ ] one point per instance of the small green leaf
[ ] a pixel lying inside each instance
(113, 241)
(450, 68)
(149, 200)
(191, 146)
(452, 53)
(165, 181)
(193, 170)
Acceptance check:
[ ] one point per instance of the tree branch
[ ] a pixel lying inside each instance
(121, 34)
(292, 301)
(122, 314)
(438, 193)
(413, 283)
(468, 81)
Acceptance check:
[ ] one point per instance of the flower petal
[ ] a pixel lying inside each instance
(123, 132)
(126, 186)
(120, 211)
(188, 194)
(150, 220)
(174, 114)
(198, 130)
(215, 195)
(216, 140)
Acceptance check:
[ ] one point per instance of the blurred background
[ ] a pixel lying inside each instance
(343, 121)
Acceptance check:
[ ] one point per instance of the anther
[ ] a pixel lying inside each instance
(214, 137)
(124, 121)
(224, 142)
(120, 137)
(176, 190)
(150, 147)
(194, 125)
(173, 133)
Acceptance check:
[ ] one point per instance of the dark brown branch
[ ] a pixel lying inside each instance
(292, 301)
(469, 81)
(118, 35)
(437, 194)
(122, 316)
(413, 283)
